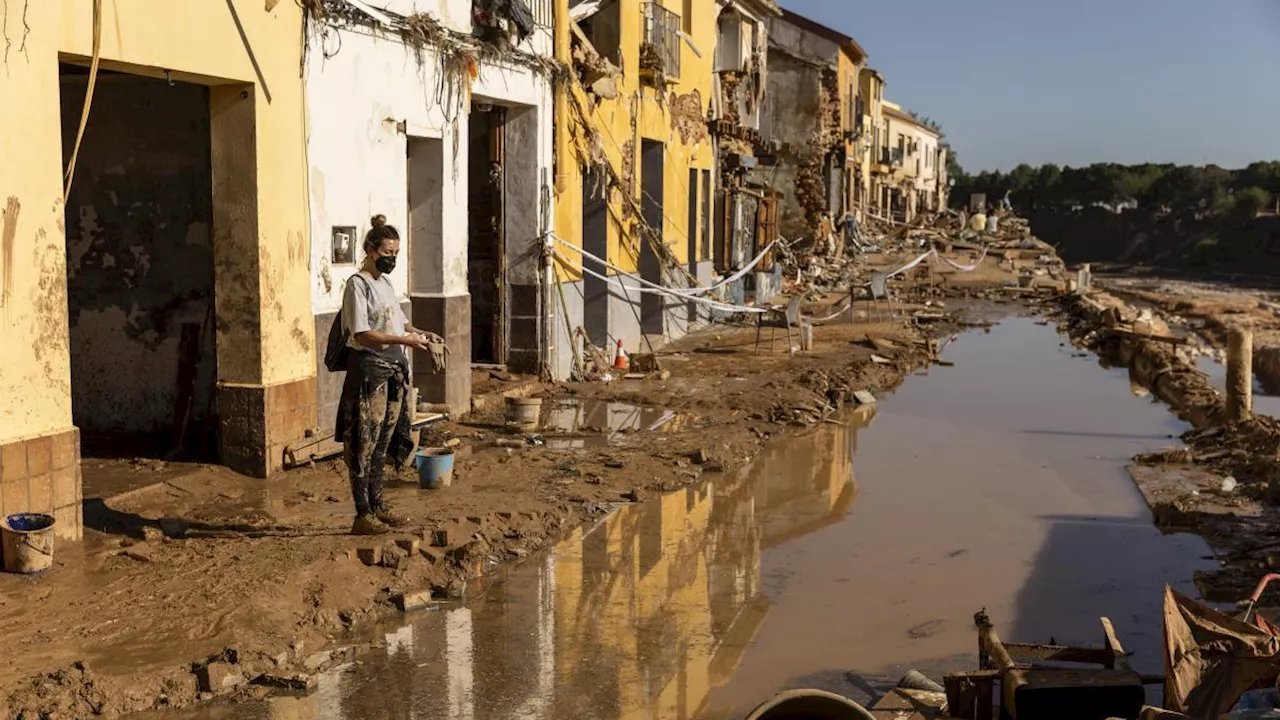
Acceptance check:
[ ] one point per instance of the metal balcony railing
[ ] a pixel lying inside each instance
(661, 39)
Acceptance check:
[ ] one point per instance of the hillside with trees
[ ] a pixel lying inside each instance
(1166, 215)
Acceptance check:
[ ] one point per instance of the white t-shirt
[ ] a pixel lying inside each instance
(370, 304)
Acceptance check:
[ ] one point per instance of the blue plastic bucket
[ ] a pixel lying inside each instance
(27, 542)
(435, 468)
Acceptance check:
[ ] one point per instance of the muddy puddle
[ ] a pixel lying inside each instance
(837, 560)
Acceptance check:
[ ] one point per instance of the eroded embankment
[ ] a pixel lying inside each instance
(1221, 483)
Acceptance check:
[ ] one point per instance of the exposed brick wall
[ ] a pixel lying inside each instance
(258, 422)
(42, 474)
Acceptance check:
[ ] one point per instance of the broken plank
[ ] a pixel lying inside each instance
(907, 704)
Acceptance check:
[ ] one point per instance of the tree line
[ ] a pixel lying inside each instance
(1158, 188)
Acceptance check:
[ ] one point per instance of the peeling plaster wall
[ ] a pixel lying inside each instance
(249, 56)
(139, 252)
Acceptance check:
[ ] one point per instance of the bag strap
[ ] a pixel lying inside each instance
(367, 286)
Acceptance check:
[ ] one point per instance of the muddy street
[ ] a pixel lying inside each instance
(838, 559)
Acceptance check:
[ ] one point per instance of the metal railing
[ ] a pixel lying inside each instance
(662, 34)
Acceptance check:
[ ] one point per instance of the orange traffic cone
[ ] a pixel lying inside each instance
(620, 359)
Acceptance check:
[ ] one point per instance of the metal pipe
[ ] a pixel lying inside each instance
(561, 35)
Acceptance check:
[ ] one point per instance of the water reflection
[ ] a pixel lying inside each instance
(636, 617)
(602, 421)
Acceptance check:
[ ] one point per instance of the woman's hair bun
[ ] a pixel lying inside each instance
(378, 221)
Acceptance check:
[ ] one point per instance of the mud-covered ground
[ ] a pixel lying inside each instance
(206, 583)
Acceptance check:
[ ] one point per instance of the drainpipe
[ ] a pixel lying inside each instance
(562, 21)
(560, 165)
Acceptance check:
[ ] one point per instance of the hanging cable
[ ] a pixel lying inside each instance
(88, 98)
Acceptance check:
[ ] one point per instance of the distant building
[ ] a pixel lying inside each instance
(872, 146)
(811, 119)
(917, 162)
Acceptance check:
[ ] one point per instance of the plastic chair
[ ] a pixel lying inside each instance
(880, 293)
(779, 316)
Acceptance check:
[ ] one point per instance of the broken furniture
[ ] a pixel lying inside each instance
(1046, 682)
(1212, 659)
(779, 316)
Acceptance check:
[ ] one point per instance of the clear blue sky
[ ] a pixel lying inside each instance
(1036, 81)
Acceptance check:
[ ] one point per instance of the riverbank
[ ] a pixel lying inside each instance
(207, 584)
(1219, 482)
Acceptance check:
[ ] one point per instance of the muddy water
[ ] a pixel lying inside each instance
(837, 560)
(1263, 404)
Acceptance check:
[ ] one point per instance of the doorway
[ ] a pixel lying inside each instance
(595, 240)
(140, 271)
(486, 227)
(425, 161)
(653, 214)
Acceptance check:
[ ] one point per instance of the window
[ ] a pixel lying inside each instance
(729, 56)
(604, 30)
(688, 17)
(661, 48)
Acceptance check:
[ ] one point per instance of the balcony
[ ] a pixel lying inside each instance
(660, 51)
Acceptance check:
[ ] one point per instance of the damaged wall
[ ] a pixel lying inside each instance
(796, 103)
(139, 252)
(610, 130)
(248, 57)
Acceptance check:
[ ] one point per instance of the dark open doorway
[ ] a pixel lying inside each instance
(651, 208)
(140, 288)
(595, 240)
(486, 226)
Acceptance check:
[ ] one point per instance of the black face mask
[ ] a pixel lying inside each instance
(385, 264)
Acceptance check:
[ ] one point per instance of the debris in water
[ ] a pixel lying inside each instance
(1173, 456)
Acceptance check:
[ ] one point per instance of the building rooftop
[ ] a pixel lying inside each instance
(830, 33)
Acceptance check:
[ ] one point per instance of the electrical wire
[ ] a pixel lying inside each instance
(694, 291)
(652, 289)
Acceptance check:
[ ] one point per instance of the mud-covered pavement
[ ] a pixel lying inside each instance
(262, 580)
(839, 558)
(726, 487)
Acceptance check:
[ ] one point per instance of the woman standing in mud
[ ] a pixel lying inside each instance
(374, 414)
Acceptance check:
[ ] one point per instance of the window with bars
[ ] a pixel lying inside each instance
(661, 49)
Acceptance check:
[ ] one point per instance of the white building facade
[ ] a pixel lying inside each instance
(412, 116)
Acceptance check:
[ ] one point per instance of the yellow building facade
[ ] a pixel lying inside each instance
(83, 278)
(634, 164)
(872, 143)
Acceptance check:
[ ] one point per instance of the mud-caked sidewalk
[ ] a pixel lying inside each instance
(207, 583)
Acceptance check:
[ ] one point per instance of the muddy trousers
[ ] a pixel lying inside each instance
(371, 432)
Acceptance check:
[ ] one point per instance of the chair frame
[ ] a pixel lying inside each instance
(779, 316)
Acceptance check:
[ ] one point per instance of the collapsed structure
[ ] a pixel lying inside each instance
(183, 208)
